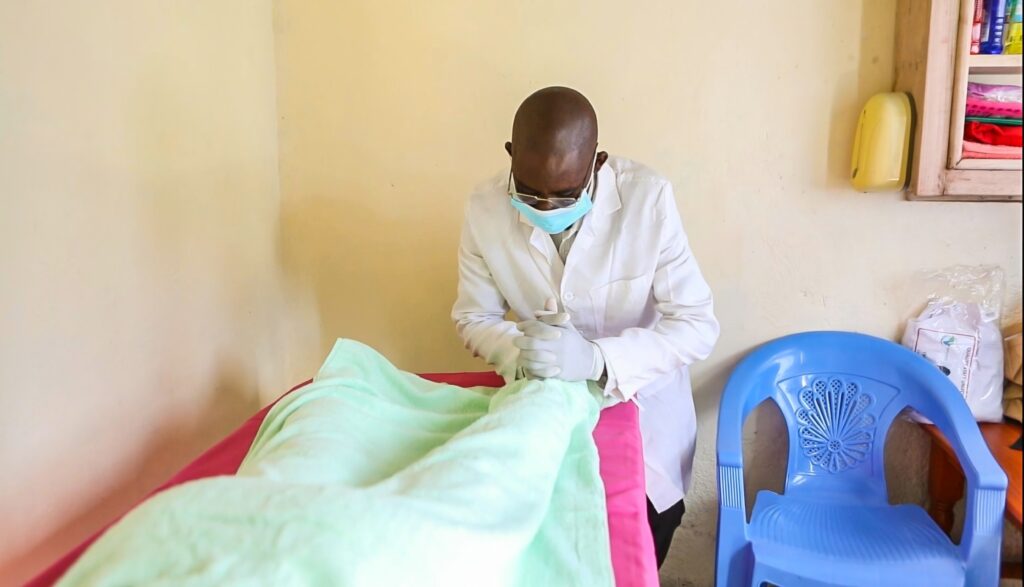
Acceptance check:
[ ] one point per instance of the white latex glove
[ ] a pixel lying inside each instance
(557, 352)
(551, 315)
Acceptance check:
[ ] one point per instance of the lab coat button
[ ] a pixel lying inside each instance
(568, 296)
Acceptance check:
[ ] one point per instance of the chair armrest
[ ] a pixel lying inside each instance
(732, 554)
(983, 535)
(985, 504)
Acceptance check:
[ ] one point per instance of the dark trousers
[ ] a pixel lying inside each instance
(663, 526)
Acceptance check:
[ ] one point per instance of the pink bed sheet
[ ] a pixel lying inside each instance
(617, 436)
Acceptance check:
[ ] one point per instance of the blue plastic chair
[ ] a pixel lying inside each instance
(839, 392)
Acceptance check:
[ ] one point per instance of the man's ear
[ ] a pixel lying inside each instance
(508, 148)
(601, 158)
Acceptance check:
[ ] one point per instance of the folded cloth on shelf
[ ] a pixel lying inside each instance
(974, 150)
(996, 120)
(981, 107)
(373, 476)
(995, 92)
(993, 134)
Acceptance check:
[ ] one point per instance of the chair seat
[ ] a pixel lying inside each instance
(827, 538)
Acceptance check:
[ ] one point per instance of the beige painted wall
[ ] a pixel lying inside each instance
(154, 289)
(392, 110)
(139, 290)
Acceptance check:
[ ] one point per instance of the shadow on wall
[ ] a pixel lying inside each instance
(169, 288)
(698, 531)
(869, 72)
(331, 250)
(166, 448)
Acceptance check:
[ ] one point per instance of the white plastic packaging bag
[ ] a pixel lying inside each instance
(959, 332)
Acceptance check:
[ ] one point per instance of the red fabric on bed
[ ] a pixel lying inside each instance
(617, 436)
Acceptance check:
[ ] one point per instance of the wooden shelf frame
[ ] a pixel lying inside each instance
(966, 65)
(997, 64)
(933, 63)
(989, 164)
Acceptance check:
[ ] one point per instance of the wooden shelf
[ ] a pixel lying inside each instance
(991, 164)
(974, 185)
(934, 65)
(994, 64)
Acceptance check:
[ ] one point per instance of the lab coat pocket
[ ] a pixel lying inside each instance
(620, 304)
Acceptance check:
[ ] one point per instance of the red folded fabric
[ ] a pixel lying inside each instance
(992, 134)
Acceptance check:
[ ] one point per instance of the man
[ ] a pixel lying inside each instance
(589, 251)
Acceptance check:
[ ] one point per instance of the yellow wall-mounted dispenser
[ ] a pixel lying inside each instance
(881, 149)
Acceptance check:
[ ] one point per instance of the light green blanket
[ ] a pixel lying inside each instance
(372, 476)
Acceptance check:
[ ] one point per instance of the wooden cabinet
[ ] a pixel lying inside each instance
(933, 64)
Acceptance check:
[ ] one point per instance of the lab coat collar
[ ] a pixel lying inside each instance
(606, 200)
(606, 203)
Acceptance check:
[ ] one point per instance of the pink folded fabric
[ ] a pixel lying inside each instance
(973, 150)
(989, 108)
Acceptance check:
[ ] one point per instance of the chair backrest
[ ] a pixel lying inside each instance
(839, 392)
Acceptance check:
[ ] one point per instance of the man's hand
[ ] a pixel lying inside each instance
(547, 351)
(551, 315)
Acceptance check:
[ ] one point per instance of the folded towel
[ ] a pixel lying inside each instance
(973, 150)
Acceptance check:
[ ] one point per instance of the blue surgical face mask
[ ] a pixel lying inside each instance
(556, 221)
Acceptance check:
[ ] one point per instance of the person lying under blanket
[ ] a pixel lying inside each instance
(373, 476)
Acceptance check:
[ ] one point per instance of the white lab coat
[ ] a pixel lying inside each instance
(630, 285)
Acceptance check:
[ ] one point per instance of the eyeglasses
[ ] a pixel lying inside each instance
(534, 201)
(550, 203)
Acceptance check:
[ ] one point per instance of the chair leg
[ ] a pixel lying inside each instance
(945, 487)
(1011, 570)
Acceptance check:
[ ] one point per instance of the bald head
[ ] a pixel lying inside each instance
(554, 136)
(555, 119)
